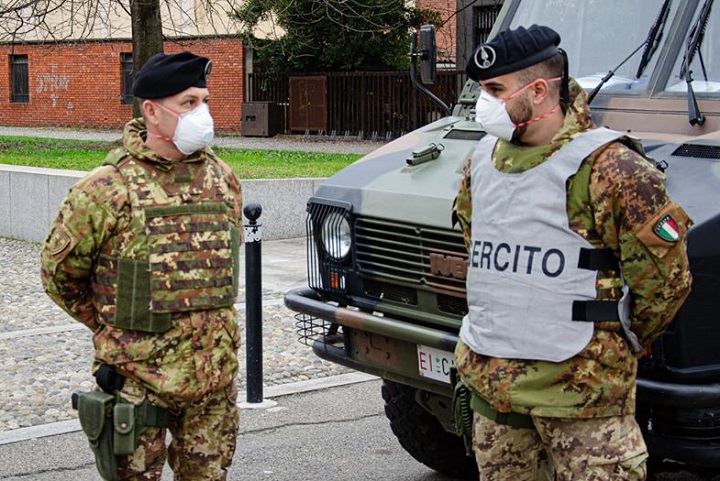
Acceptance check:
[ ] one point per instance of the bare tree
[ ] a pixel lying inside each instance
(147, 38)
(147, 22)
(55, 20)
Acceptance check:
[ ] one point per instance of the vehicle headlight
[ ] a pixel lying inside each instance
(335, 235)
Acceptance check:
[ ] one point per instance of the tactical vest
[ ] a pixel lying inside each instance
(180, 252)
(531, 283)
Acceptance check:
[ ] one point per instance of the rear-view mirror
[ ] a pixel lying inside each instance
(428, 54)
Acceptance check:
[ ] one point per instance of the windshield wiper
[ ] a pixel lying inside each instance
(654, 37)
(695, 38)
(651, 43)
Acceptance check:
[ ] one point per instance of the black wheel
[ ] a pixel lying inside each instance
(654, 463)
(654, 467)
(422, 435)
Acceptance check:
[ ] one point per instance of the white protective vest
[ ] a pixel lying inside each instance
(523, 273)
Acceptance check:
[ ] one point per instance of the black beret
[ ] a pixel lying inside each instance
(165, 75)
(512, 50)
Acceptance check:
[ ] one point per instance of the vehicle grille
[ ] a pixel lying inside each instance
(402, 252)
(698, 151)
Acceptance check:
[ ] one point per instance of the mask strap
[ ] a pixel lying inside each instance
(518, 92)
(161, 137)
(169, 110)
(521, 89)
(539, 117)
(546, 114)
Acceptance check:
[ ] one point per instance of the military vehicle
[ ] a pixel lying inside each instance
(386, 267)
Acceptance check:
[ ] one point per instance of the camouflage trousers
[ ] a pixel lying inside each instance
(203, 432)
(559, 449)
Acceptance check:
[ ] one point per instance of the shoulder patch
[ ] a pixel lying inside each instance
(667, 229)
(115, 156)
(58, 241)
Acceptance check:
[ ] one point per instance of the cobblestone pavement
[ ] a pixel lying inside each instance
(45, 355)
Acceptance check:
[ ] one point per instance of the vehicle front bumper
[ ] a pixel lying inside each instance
(694, 452)
(383, 346)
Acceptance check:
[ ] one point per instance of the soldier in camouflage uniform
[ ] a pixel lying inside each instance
(144, 253)
(577, 262)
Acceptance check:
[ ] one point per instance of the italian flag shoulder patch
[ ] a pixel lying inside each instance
(667, 229)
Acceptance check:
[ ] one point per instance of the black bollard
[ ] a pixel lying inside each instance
(253, 303)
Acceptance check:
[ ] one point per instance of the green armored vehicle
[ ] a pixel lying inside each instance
(387, 268)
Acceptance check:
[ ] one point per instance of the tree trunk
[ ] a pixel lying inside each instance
(147, 36)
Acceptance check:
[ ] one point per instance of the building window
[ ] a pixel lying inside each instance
(126, 61)
(484, 19)
(19, 84)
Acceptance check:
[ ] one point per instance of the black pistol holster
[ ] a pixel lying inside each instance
(111, 424)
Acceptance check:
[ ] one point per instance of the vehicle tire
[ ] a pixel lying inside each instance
(422, 435)
(654, 467)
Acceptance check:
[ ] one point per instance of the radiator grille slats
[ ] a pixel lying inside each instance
(397, 262)
(402, 252)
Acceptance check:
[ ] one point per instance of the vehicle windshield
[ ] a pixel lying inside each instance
(599, 34)
(705, 64)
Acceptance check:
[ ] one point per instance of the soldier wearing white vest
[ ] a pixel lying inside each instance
(577, 262)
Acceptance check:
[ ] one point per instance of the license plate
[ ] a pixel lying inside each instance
(435, 363)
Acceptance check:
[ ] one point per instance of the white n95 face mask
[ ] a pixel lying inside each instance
(195, 130)
(492, 116)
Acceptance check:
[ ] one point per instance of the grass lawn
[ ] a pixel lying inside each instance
(247, 164)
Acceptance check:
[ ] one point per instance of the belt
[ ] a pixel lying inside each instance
(149, 414)
(516, 420)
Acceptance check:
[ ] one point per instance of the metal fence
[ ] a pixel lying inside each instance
(358, 104)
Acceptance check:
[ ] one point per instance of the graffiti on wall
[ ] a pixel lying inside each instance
(51, 82)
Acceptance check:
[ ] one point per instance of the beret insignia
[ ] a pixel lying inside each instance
(485, 57)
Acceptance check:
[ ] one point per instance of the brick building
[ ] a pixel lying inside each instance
(51, 78)
(466, 23)
(446, 39)
(86, 83)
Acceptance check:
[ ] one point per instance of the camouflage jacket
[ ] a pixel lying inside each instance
(198, 353)
(615, 201)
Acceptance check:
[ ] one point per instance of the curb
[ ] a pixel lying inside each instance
(73, 425)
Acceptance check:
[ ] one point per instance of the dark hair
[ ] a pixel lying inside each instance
(547, 69)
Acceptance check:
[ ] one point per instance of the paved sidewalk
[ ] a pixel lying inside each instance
(338, 434)
(45, 355)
